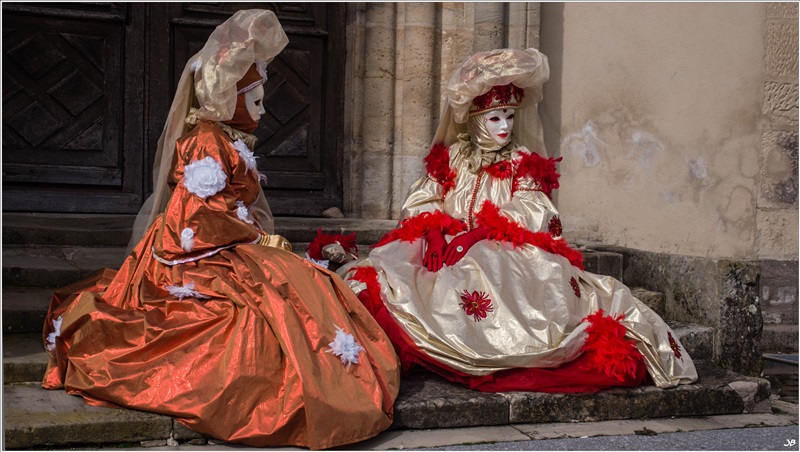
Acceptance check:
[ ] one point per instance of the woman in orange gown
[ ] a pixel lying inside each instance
(210, 319)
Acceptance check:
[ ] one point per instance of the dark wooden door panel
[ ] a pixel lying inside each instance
(64, 117)
(87, 88)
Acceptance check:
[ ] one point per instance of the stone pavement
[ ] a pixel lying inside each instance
(520, 436)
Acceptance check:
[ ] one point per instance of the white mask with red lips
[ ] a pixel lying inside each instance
(499, 124)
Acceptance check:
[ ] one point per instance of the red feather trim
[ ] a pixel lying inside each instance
(322, 239)
(502, 228)
(542, 170)
(369, 276)
(371, 298)
(607, 349)
(413, 228)
(437, 164)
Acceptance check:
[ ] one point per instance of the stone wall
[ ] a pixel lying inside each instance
(677, 124)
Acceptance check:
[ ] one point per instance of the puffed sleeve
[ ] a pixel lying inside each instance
(529, 205)
(425, 195)
(204, 213)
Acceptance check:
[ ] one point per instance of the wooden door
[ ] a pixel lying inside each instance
(300, 136)
(86, 90)
(72, 110)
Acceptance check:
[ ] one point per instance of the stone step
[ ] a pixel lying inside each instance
(779, 338)
(38, 418)
(59, 265)
(31, 272)
(115, 230)
(24, 358)
(55, 266)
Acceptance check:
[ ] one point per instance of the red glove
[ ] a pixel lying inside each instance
(434, 254)
(459, 246)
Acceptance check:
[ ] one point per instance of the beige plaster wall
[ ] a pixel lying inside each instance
(663, 116)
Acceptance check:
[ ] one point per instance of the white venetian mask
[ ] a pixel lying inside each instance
(499, 123)
(254, 99)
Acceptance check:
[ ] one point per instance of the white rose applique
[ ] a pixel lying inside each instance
(204, 178)
(243, 212)
(187, 239)
(246, 154)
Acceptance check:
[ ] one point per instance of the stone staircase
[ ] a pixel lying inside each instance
(42, 252)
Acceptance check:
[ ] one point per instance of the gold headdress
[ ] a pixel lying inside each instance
(526, 70)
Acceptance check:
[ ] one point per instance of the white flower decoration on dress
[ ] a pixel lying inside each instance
(324, 263)
(186, 291)
(204, 178)
(344, 346)
(246, 154)
(187, 239)
(244, 213)
(51, 338)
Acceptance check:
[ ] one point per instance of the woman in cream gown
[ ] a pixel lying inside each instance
(477, 284)
(211, 319)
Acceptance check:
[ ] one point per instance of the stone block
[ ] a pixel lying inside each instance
(780, 103)
(24, 308)
(778, 184)
(427, 401)
(24, 358)
(712, 394)
(182, 433)
(751, 393)
(373, 200)
(656, 301)
(778, 289)
(697, 340)
(780, 52)
(777, 233)
(782, 10)
(738, 334)
(603, 263)
(37, 418)
(779, 339)
(66, 229)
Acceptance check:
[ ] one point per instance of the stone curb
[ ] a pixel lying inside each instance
(35, 417)
(428, 401)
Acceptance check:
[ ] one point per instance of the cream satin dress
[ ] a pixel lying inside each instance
(537, 299)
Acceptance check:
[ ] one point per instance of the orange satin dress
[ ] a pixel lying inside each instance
(241, 351)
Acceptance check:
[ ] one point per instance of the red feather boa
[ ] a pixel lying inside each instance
(542, 170)
(322, 239)
(437, 164)
(606, 348)
(413, 228)
(502, 228)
